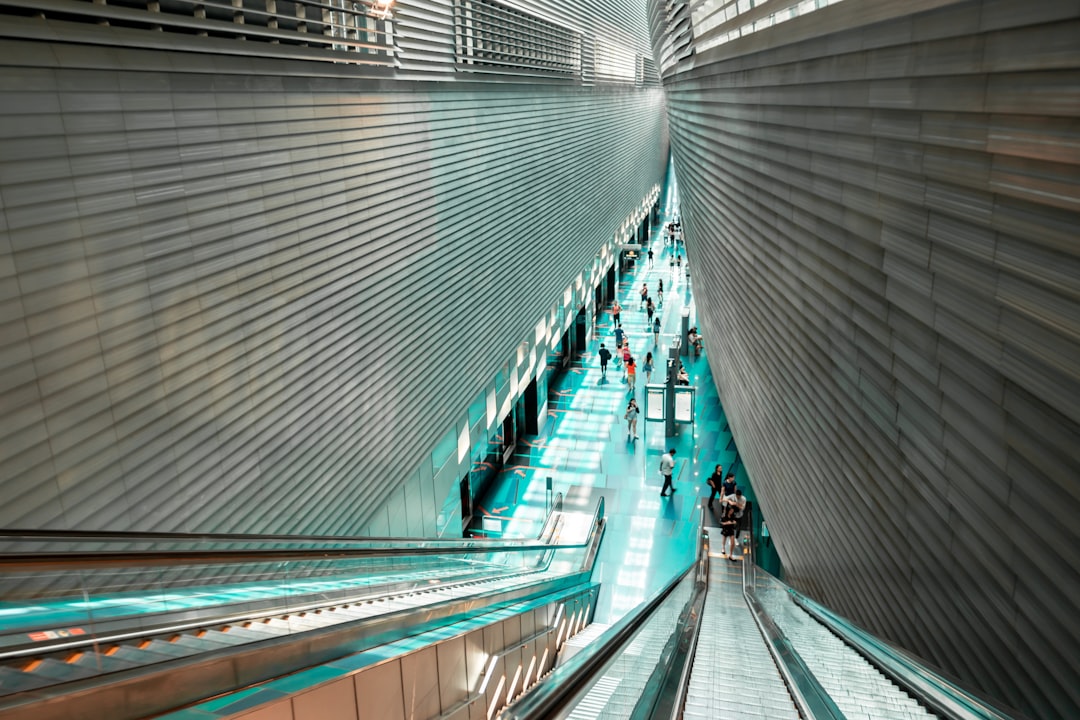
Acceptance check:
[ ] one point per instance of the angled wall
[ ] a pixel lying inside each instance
(247, 289)
(882, 203)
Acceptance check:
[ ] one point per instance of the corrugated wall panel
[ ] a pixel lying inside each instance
(883, 208)
(236, 299)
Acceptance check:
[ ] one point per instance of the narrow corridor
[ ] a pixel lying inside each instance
(583, 447)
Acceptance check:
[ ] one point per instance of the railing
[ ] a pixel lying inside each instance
(941, 695)
(57, 599)
(812, 701)
(568, 684)
(665, 691)
(502, 38)
(928, 688)
(167, 618)
(25, 550)
(344, 31)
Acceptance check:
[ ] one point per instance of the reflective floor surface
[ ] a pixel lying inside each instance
(585, 450)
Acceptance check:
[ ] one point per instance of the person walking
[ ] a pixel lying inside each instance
(620, 336)
(716, 482)
(647, 366)
(660, 293)
(678, 261)
(631, 418)
(656, 331)
(650, 308)
(650, 257)
(631, 372)
(605, 355)
(667, 466)
(644, 294)
(616, 309)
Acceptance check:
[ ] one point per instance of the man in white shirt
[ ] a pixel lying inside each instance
(737, 501)
(667, 466)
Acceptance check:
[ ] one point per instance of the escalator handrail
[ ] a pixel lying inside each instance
(56, 561)
(382, 547)
(811, 699)
(665, 692)
(120, 536)
(591, 542)
(939, 694)
(568, 682)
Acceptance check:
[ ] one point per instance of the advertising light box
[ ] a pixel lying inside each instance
(684, 403)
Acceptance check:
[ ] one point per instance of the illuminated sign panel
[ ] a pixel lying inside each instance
(684, 404)
(654, 402)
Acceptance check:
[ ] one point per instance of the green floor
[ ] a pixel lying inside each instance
(583, 447)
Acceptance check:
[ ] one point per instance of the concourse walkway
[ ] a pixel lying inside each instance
(583, 447)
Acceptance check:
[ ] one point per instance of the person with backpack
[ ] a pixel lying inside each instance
(605, 355)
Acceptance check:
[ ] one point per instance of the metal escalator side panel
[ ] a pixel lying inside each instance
(158, 688)
(812, 700)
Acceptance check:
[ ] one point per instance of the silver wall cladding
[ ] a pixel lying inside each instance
(237, 299)
(883, 208)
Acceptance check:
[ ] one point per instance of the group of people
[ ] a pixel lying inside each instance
(621, 353)
(732, 501)
(674, 231)
(732, 509)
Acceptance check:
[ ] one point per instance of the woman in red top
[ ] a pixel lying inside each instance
(631, 371)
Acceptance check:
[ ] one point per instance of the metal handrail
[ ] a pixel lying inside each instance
(55, 561)
(942, 696)
(811, 699)
(568, 682)
(177, 682)
(665, 691)
(592, 542)
(376, 547)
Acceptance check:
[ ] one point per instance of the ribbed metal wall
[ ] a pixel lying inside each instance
(882, 203)
(248, 294)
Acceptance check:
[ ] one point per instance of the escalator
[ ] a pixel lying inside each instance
(130, 626)
(436, 629)
(725, 640)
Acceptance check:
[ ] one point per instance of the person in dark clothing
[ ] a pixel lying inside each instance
(736, 502)
(727, 532)
(715, 482)
(729, 485)
(605, 355)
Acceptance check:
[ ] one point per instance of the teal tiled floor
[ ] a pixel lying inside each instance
(583, 447)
